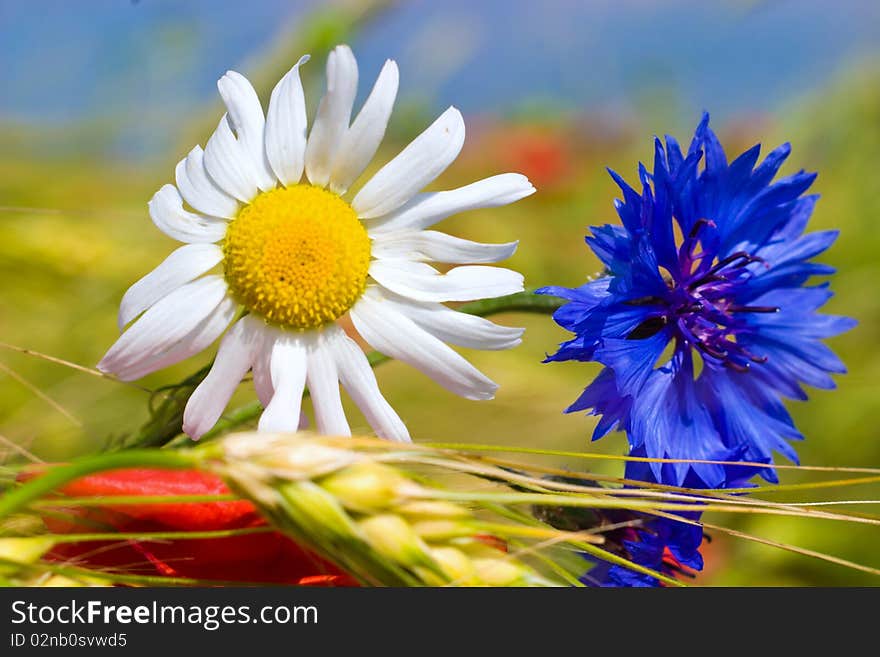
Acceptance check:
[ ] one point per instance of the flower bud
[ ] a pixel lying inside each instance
(430, 577)
(366, 486)
(60, 581)
(456, 564)
(432, 509)
(393, 538)
(442, 530)
(498, 572)
(22, 550)
(290, 457)
(318, 511)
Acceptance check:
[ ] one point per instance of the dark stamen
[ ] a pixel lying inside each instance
(698, 226)
(644, 301)
(753, 309)
(691, 308)
(709, 278)
(753, 357)
(712, 351)
(685, 251)
(649, 328)
(733, 257)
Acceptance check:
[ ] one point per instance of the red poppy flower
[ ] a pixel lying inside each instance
(545, 154)
(264, 557)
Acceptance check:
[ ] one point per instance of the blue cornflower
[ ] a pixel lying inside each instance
(662, 543)
(665, 545)
(711, 262)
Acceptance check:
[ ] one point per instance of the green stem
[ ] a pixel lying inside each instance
(113, 578)
(617, 560)
(168, 420)
(17, 499)
(232, 419)
(145, 537)
(521, 302)
(122, 500)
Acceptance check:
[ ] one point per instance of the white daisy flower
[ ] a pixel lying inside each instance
(298, 256)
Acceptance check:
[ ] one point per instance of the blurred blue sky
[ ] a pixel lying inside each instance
(64, 60)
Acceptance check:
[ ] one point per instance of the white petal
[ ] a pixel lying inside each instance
(286, 124)
(419, 281)
(166, 211)
(182, 266)
(287, 368)
(170, 323)
(262, 372)
(229, 165)
(193, 343)
(362, 139)
(425, 210)
(234, 358)
(438, 247)
(324, 385)
(333, 116)
(262, 362)
(359, 380)
(399, 337)
(415, 167)
(247, 121)
(199, 190)
(456, 327)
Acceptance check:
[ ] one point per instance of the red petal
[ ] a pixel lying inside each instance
(193, 516)
(257, 557)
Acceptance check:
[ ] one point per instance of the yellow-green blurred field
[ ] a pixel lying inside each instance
(74, 234)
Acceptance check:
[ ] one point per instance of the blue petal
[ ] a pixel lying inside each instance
(673, 153)
(699, 134)
(661, 221)
(632, 360)
(796, 362)
(630, 210)
(741, 168)
(766, 171)
(797, 317)
(745, 418)
(798, 217)
(716, 160)
(601, 396)
(612, 245)
(669, 419)
(589, 294)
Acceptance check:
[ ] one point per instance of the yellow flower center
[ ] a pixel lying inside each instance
(298, 256)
